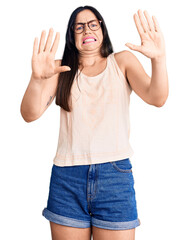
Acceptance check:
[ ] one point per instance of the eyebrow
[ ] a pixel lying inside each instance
(88, 21)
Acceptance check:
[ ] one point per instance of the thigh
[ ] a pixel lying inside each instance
(60, 232)
(105, 234)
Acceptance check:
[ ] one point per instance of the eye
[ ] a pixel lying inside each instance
(79, 27)
(94, 25)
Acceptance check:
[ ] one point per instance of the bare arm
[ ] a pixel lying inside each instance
(153, 90)
(159, 87)
(38, 97)
(42, 87)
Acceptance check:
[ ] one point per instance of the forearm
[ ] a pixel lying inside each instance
(158, 89)
(31, 102)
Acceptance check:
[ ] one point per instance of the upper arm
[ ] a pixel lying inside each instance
(136, 75)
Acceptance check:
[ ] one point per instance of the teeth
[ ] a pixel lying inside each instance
(89, 40)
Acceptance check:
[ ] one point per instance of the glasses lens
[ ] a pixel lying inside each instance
(94, 25)
(78, 28)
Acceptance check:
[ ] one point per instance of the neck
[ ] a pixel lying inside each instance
(87, 59)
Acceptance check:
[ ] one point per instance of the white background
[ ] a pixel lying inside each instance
(159, 136)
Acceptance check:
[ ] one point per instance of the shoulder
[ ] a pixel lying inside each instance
(124, 58)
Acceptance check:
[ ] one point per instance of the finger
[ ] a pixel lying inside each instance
(35, 47)
(49, 40)
(138, 24)
(56, 42)
(42, 41)
(149, 21)
(133, 47)
(62, 69)
(142, 21)
(156, 24)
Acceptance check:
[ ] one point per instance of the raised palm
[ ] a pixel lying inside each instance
(43, 63)
(152, 41)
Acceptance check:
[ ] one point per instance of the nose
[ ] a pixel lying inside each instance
(86, 28)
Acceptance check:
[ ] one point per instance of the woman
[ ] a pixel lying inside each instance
(92, 181)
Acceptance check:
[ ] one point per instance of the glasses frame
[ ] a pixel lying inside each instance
(73, 27)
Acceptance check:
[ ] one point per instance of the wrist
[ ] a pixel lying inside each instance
(36, 79)
(160, 59)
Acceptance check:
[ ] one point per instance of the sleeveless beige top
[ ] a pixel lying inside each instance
(97, 128)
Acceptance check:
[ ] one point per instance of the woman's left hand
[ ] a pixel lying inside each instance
(152, 41)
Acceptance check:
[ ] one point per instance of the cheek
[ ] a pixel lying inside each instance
(77, 42)
(101, 37)
(100, 40)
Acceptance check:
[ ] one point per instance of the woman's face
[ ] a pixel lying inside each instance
(88, 40)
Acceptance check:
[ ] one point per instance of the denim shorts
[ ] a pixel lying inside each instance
(101, 195)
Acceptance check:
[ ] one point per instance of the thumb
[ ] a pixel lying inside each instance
(133, 47)
(62, 69)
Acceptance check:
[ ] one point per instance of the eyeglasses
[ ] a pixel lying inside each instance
(94, 25)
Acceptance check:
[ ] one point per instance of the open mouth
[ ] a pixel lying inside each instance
(89, 40)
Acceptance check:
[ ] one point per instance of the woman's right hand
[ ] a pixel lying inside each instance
(43, 64)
